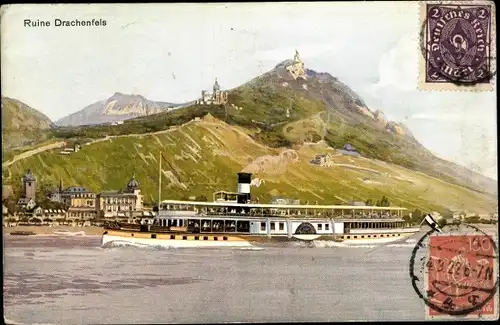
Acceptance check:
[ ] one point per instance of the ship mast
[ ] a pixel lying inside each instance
(159, 186)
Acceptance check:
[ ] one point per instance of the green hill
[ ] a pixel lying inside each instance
(22, 125)
(272, 126)
(204, 156)
(270, 105)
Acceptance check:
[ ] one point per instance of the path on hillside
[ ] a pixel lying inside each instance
(32, 152)
(61, 144)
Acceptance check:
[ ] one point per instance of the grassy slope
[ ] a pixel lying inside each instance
(204, 156)
(22, 125)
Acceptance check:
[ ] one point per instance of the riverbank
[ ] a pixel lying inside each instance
(47, 230)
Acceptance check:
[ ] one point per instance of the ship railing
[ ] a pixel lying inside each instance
(297, 215)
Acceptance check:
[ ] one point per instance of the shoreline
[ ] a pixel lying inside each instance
(50, 231)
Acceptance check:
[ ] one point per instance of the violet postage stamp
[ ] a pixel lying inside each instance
(458, 45)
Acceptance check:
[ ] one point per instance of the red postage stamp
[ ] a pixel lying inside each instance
(461, 277)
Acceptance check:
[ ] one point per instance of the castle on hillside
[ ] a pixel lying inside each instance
(216, 98)
(295, 67)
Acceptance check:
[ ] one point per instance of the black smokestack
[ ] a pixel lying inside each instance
(244, 180)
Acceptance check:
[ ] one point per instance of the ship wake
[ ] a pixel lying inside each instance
(126, 244)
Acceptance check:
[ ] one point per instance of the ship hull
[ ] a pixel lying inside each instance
(173, 240)
(190, 240)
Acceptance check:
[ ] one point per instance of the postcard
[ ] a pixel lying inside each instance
(249, 162)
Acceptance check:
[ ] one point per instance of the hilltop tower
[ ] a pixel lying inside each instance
(29, 185)
(216, 86)
(296, 66)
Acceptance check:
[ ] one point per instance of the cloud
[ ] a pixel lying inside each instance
(398, 67)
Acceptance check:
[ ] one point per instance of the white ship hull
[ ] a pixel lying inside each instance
(170, 243)
(375, 241)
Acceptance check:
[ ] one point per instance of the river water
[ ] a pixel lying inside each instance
(72, 280)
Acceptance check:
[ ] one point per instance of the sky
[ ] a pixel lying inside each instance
(169, 52)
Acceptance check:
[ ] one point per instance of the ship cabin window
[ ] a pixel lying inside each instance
(132, 235)
(273, 226)
(217, 225)
(262, 226)
(172, 236)
(229, 226)
(196, 237)
(243, 226)
(205, 238)
(184, 237)
(282, 226)
(215, 238)
(153, 235)
(224, 238)
(320, 226)
(206, 225)
(327, 226)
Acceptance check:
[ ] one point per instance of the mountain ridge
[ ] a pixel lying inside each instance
(117, 108)
(22, 124)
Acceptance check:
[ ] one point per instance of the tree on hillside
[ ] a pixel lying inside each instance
(201, 198)
(416, 217)
(442, 222)
(369, 202)
(10, 204)
(385, 202)
(447, 214)
(472, 219)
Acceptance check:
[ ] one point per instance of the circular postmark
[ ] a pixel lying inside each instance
(455, 272)
(455, 41)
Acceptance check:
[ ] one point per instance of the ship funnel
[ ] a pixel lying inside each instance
(244, 181)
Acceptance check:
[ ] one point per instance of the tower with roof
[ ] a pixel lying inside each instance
(132, 186)
(29, 185)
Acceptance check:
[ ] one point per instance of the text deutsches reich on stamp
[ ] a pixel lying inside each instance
(457, 44)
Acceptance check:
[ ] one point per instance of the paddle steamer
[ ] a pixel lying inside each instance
(232, 220)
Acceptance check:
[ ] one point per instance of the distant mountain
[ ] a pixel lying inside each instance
(21, 124)
(118, 107)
